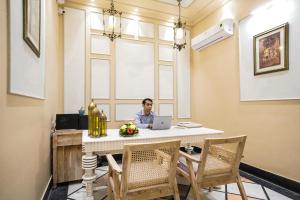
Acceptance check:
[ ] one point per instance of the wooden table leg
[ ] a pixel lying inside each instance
(89, 164)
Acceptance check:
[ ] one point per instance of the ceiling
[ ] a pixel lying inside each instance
(184, 3)
(193, 11)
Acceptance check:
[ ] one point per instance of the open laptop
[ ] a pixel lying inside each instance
(162, 122)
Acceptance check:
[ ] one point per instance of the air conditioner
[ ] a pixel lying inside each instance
(214, 34)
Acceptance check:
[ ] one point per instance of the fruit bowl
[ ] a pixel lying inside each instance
(129, 129)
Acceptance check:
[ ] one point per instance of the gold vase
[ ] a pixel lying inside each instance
(95, 123)
(90, 121)
(103, 124)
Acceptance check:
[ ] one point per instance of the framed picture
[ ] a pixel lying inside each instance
(271, 50)
(32, 24)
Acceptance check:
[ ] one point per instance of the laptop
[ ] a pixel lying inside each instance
(162, 122)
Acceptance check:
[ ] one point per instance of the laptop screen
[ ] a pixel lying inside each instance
(162, 122)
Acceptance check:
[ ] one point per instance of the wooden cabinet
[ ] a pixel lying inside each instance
(67, 153)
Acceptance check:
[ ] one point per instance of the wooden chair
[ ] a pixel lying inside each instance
(148, 171)
(218, 164)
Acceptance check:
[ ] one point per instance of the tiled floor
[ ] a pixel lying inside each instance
(254, 191)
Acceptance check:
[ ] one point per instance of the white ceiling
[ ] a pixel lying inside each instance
(192, 12)
(184, 3)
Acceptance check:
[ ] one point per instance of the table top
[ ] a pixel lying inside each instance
(113, 134)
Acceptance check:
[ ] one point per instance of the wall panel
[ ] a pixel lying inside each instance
(183, 81)
(100, 79)
(74, 59)
(134, 69)
(166, 82)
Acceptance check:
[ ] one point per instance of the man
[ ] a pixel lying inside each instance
(144, 118)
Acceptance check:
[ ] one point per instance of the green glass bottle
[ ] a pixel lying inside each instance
(103, 124)
(90, 121)
(96, 122)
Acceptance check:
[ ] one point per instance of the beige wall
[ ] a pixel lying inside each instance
(25, 122)
(272, 127)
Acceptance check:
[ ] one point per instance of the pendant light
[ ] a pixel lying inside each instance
(179, 31)
(112, 22)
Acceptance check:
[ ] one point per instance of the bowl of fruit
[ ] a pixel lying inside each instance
(129, 129)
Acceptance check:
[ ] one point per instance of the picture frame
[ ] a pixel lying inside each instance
(271, 50)
(32, 24)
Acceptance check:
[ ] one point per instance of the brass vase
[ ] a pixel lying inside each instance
(95, 123)
(103, 124)
(90, 121)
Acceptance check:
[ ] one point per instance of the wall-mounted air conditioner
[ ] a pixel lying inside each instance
(214, 34)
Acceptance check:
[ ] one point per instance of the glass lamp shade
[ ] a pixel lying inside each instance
(112, 23)
(179, 35)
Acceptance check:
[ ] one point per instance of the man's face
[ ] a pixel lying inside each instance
(147, 106)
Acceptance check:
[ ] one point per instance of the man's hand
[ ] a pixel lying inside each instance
(150, 126)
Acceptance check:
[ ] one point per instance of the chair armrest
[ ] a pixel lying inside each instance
(189, 157)
(113, 164)
(163, 154)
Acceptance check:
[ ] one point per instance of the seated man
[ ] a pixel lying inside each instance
(144, 118)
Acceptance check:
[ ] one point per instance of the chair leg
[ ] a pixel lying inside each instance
(193, 181)
(241, 188)
(109, 191)
(176, 193)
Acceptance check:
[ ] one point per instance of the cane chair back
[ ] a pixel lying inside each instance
(220, 160)
(218, 164)
(149, 170)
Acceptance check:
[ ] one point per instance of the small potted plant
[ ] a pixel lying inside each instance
(128, 129)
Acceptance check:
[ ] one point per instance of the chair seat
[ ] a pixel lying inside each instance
(213, 165)
(146, 174)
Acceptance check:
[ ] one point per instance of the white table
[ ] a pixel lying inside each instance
(113, 143)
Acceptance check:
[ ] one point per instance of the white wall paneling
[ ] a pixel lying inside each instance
(183, 81)
(127, 111)
(100, 79)
(100, 44)
(96, 21)
(146, 29)
(166, 53)
(276, 85)
(130, 27)
(166, 33)
(166, 82)
(134, 69)
(166, 109)
(74, 59)
(137, 28)
(106, 110)
(26, 70)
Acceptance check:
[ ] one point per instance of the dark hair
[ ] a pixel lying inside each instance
(147, 99)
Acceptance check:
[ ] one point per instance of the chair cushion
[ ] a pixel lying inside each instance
(146, 174)
(213, 165)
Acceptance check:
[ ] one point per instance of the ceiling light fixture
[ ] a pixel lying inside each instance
(179, 31)
(112, 22)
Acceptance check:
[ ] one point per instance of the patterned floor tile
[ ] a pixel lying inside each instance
(246, 180)
(73, 187)
(219, 188)
(206, 195)
(252, 190)
(237, 197)
(275, 196)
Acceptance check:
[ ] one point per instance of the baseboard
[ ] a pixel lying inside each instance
(273, 178)
(47, 189)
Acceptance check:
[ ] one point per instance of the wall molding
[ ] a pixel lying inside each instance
(281, 181)
(46, 193)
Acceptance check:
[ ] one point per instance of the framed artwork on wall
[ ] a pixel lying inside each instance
(271, 50)
(32, 24)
